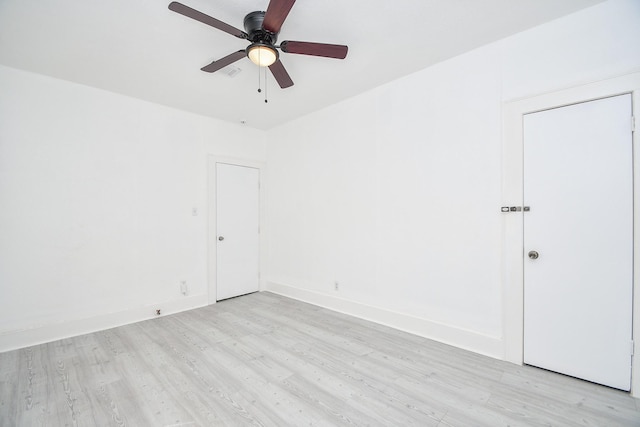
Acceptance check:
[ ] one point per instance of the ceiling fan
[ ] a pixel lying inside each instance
(262, 29)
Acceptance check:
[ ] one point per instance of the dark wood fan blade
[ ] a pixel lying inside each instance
(277, 12)
(223, 62)
(206, 19)
(280, 74)
(337, 51)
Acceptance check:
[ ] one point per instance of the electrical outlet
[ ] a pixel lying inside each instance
(183, 287)
(336, 285)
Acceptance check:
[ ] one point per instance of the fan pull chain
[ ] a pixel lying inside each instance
(259, 81)
(265, 85)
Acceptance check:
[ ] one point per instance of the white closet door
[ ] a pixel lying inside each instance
(578, 292)
(237, 227)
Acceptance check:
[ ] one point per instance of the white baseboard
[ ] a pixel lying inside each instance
(468, 340)
(462, 338)
(12, 340)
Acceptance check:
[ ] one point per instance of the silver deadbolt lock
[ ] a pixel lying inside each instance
(221, 238)
(533, 254)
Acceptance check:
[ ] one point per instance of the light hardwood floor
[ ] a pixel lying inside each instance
(266, 360)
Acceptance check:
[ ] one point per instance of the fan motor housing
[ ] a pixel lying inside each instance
(253, 26)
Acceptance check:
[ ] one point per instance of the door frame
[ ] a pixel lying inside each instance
(513, 195)
(212, 232)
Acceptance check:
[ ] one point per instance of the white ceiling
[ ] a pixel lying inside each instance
(141, 49)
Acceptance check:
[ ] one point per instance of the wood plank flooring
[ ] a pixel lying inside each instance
(266, 360)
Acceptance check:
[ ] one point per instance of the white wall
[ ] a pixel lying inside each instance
(96, 198)
(396, 193)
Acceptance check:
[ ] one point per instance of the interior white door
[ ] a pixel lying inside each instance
(237, 227)
(578, 292)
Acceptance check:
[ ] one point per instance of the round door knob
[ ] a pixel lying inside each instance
(533, 254)
(221, 238)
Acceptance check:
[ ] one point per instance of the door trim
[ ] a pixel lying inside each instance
(212, 233)
(512, 195)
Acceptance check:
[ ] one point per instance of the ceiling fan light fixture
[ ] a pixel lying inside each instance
(262, 55)
(262, 30)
